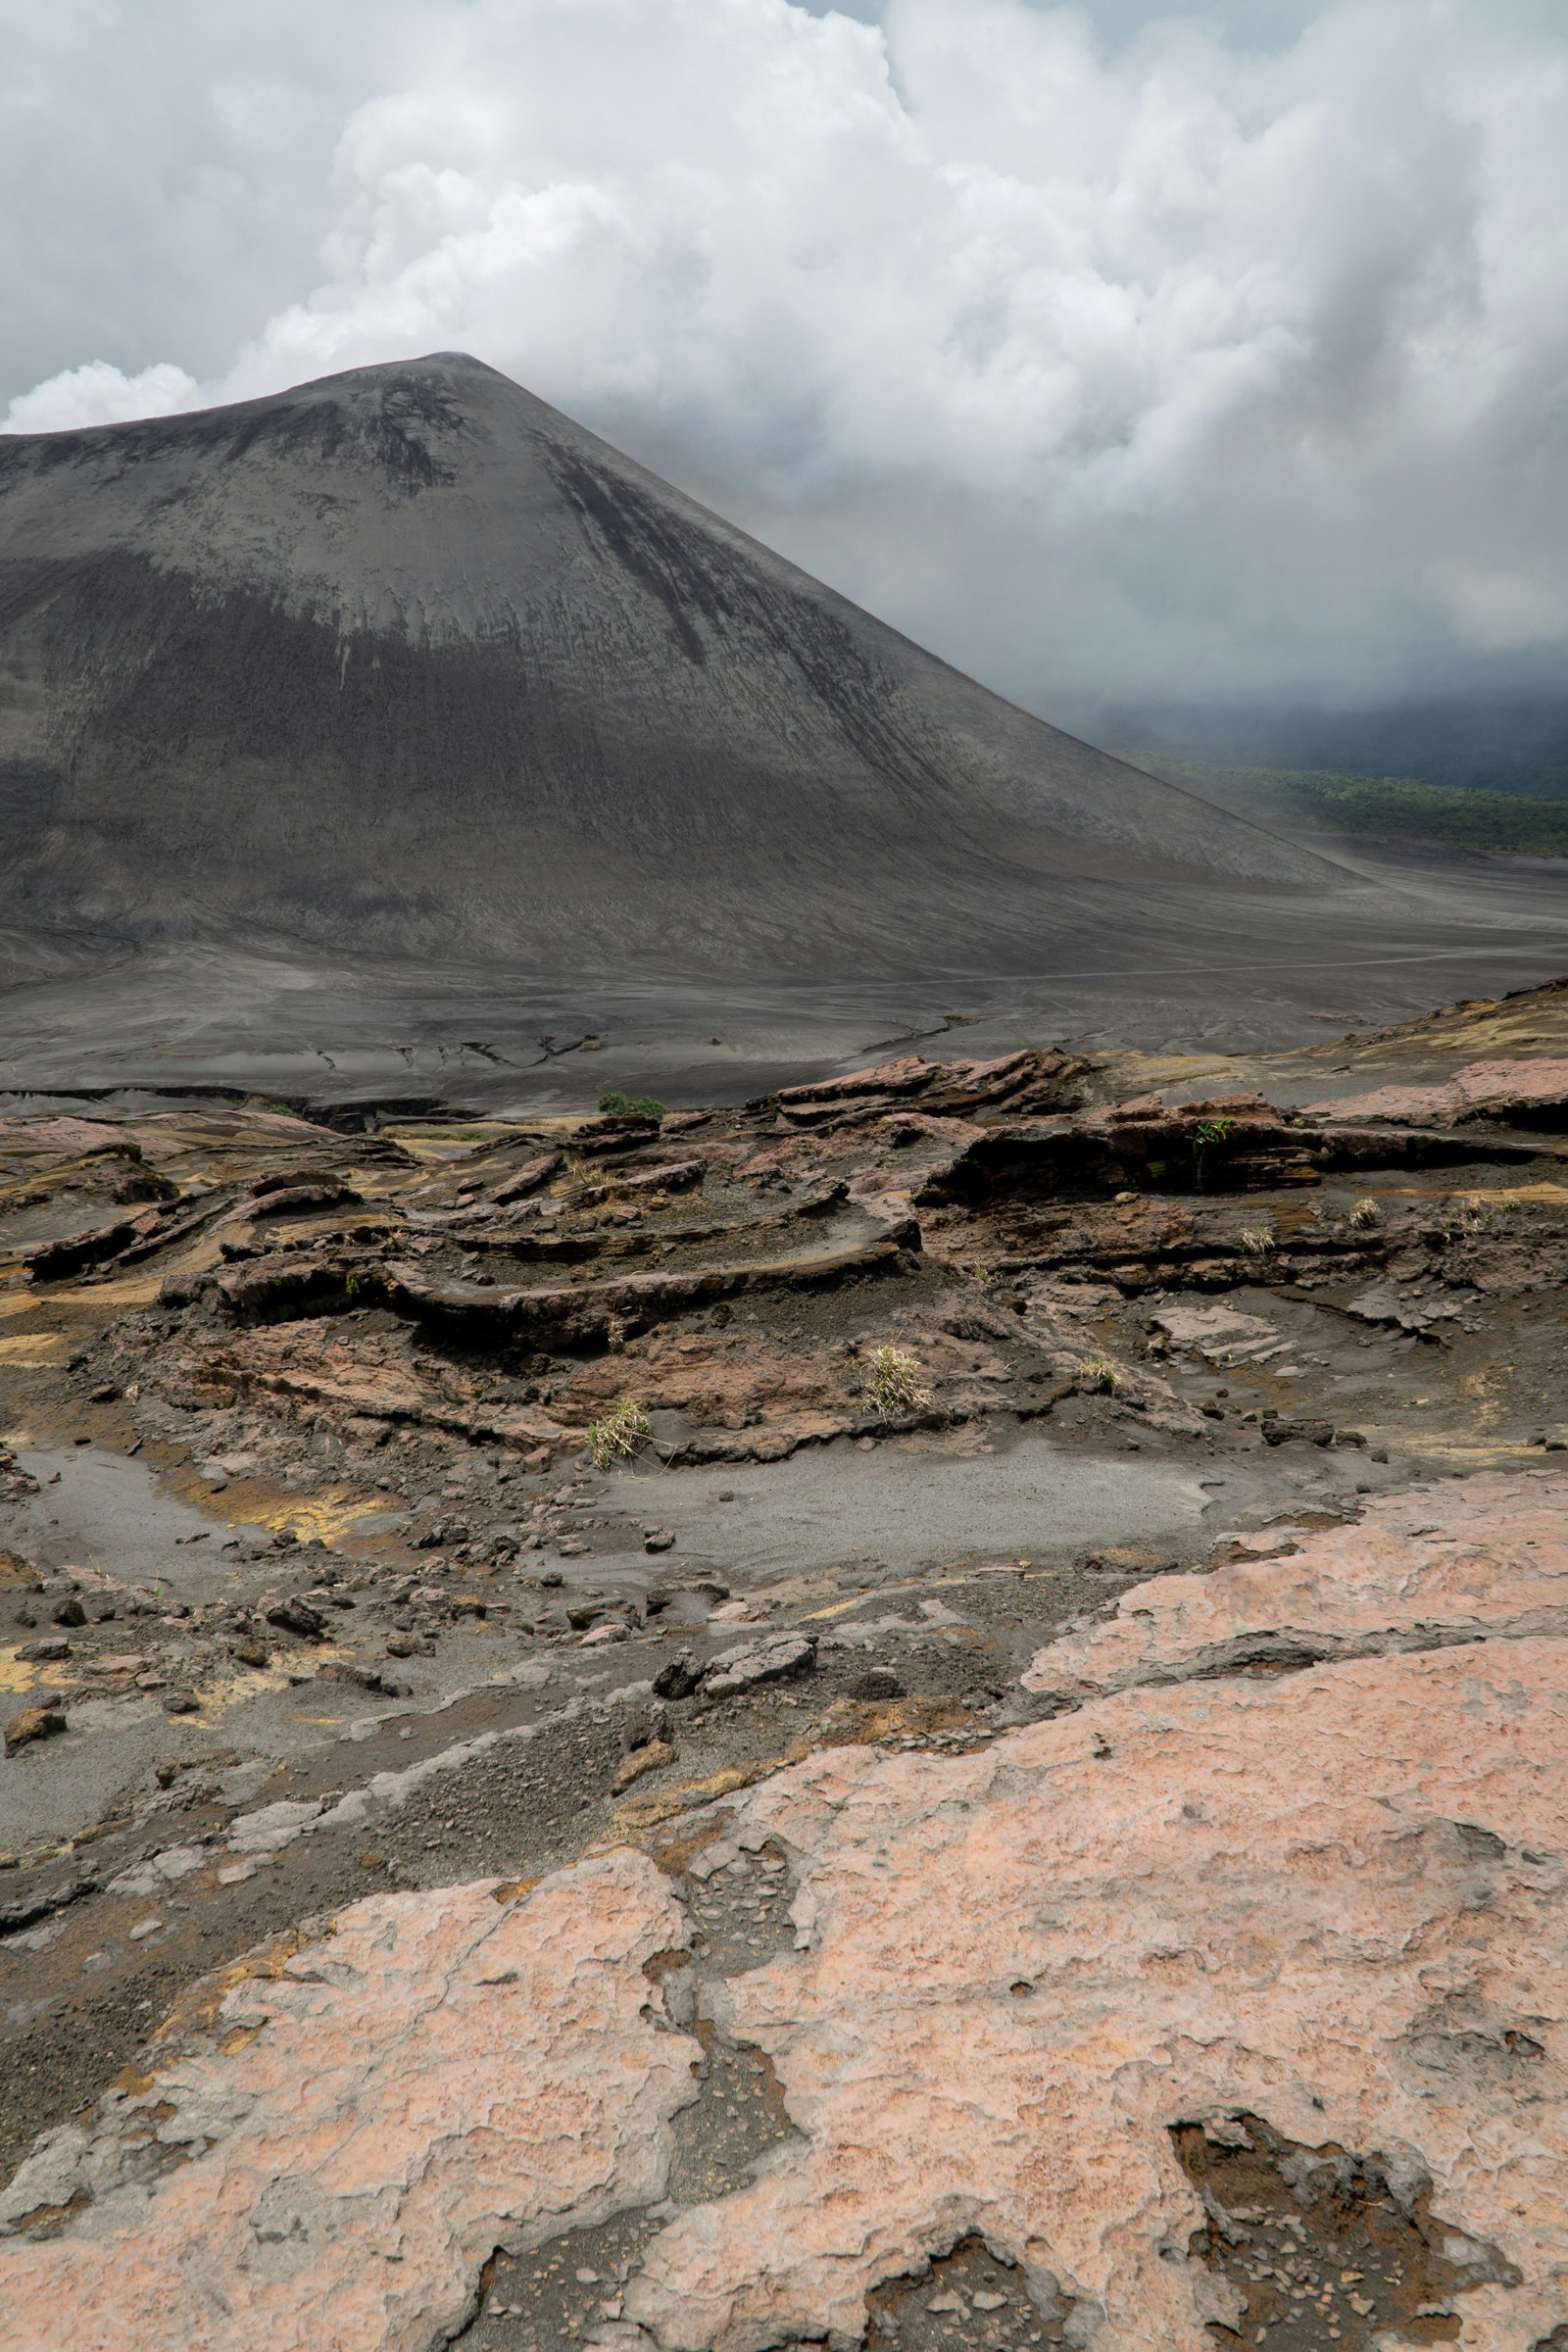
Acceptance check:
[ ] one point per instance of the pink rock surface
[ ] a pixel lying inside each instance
(63, 1136)
(1333, 1898)
(1524, 1090)
(1448, 1562)
(1022, 1968)
(444, 2074)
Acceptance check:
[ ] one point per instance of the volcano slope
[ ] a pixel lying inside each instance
(406, 657)
(397, 721)
(930, 1712)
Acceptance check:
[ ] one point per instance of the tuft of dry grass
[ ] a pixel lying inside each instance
(1470, 1213)
(894, 1382)
(1100, 1374)
(1258, 1241)
(1366, 1211)
(616, 1436)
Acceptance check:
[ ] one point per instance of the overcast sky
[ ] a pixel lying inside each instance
(1111, 350)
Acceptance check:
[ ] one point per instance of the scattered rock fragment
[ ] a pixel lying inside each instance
(294, 1615)
(779, 1658)
(679, 1677)
(1280, 1430)
(33, 1724)
(878, 1681)
(1130, 1559)
(1382, 1304)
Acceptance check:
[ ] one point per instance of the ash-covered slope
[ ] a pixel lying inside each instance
(406, 660)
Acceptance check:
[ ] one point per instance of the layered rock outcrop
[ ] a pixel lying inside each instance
(1515, 1094)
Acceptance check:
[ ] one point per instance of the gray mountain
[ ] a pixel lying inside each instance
(406, 662)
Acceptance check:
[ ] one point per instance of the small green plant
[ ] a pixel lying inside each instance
(617, 1106)
(893, 1382)
(1258, 1241)
(351, 1286)
(616, 1436)
(1100, 1374)
(1366, 1213)
(1205, 1135)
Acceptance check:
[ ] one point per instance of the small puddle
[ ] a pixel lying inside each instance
(111, 1513)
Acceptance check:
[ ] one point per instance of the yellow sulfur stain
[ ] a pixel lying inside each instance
(326, 1516)
(1481, 1457)
(133, 1290)
(33, 1347)
(252, 1682)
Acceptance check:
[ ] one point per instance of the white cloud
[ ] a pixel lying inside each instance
(99, 394)
(1173, 363)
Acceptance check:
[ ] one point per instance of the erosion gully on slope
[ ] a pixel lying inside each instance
(315, 1589)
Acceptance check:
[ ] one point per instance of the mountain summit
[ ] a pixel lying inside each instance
(406, 660)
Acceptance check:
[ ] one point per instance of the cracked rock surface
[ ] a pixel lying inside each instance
(1484, 1557)
(1330, 1901)
(365, 2121)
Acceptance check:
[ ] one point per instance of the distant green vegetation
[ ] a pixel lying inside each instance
(629, 1106)
(1330, 801)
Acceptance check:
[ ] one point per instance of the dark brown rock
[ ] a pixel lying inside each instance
(295, 1615)
(32, 1723)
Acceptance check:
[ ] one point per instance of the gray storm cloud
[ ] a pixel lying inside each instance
(1110, 352)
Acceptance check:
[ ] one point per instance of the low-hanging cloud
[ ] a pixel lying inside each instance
(1173, 363)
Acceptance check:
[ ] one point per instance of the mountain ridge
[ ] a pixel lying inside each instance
(404, 659)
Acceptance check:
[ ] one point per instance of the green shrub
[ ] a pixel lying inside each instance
(617, 1106)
